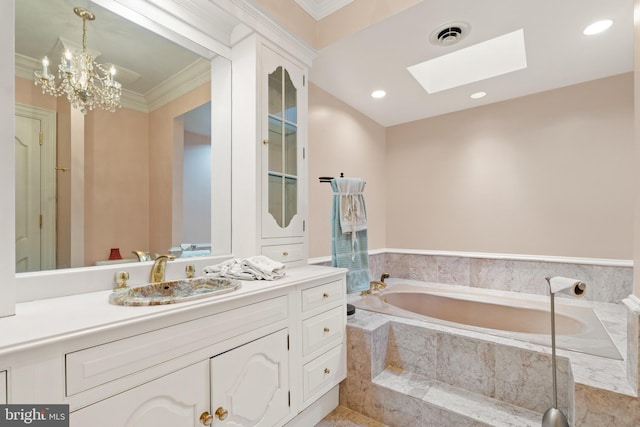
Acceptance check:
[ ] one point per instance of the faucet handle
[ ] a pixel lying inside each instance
(121, 279)
(190, 269)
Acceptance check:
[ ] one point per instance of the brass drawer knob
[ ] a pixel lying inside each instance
(206, 418)
(221, 413)
(285, 253)
(327, 371)
(325, 295)
(326, 329)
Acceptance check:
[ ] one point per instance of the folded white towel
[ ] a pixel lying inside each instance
(264, 266)
(254, 268)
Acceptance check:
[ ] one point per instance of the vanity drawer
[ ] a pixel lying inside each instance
(284, 253)
(3, 387)
(322, 296)
(107, 362)
(323, 330)
(324, 372)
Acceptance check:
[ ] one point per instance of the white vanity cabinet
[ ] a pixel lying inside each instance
(245, 386)
(269, 354)
(323, 323)
(250, 384)
(177, 399)
(283, 177)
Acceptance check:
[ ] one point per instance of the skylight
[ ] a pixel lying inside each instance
(494, 57)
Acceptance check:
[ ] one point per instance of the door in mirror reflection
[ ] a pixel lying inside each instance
(35, 192)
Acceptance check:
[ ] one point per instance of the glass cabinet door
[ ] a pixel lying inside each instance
(282, 147)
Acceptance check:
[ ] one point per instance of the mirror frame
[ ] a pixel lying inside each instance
(54, 283)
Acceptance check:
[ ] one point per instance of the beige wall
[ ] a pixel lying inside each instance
(116, 183)
(161, 158)
(547, 174)
(341, 139)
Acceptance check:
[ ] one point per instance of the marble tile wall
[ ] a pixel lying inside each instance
(605, 283)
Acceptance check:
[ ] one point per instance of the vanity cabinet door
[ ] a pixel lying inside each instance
(283, 145)
(177, 399)
(250, 384)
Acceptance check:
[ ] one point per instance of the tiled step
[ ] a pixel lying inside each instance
(443, 404)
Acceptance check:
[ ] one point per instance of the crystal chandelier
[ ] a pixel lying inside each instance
(86, 83)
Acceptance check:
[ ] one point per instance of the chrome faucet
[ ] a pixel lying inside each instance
(159, 265)
(376, 285)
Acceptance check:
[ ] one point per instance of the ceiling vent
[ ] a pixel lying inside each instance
(449, 33)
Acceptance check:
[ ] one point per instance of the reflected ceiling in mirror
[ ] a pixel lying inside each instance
(131, 166)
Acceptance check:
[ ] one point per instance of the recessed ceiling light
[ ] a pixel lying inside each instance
(597, 27)
(500, 55)
(378, 94)
(478, 95)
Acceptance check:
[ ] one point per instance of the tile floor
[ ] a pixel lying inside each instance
(344, 417)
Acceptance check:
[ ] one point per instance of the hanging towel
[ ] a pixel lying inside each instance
(353, 214)
(349, 227)
(254, 268)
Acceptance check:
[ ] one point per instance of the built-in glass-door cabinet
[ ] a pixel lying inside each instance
(283, 158)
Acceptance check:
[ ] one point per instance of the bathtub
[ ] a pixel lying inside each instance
(525, 318)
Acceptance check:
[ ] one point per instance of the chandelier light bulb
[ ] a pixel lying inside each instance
(45, 65)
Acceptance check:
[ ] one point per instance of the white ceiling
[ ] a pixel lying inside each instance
(558, 54)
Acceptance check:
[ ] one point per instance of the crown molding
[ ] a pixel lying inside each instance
(195, 75)
(191, 77)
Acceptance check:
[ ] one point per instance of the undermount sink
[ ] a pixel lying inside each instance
(173, 291)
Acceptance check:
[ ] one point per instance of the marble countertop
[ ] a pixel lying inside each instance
(47, 321)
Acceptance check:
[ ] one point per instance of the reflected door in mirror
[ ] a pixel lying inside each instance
(34, 211)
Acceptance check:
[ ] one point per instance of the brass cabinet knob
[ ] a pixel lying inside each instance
(325, 295)
(327, 371)
(221, 413)
(265, 141)
(206, 418)
(326, 329)
(285, 253)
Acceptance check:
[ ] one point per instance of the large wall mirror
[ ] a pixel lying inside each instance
(101, 185)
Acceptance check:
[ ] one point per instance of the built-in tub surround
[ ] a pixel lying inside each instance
(401, 378)
(607, 280)
(406, 373)
(517, 316)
